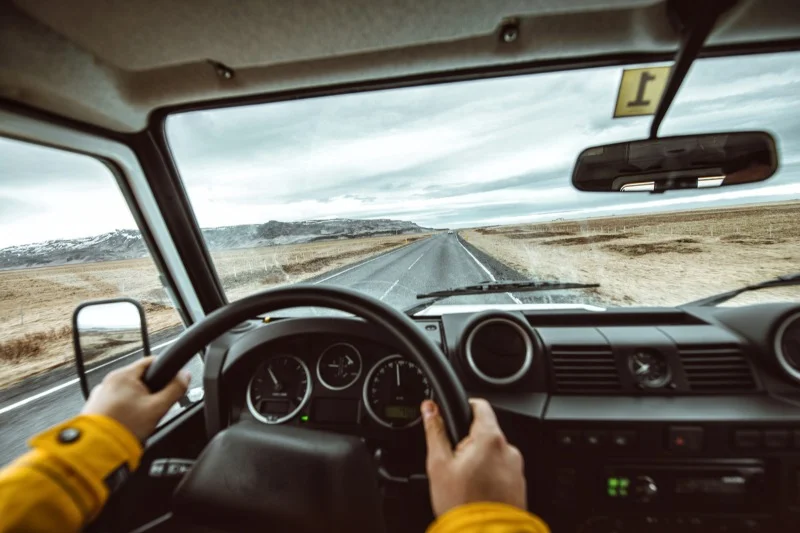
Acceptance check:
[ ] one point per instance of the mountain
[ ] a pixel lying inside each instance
(128, 244)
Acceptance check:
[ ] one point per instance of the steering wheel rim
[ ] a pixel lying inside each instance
(450, 394)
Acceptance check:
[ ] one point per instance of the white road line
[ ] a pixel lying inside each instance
(476, 260)
(389, 290)
(361, 264)
(415, 262)
(514, 298)
(57, 388)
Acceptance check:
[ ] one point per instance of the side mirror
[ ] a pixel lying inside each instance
(107, 334)
(671, 163)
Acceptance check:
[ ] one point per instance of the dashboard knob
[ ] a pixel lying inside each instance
(645, 489)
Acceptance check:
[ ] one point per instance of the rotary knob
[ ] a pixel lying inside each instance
(645, 489)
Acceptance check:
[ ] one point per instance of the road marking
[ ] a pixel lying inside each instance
(389, 290)
(415, 262)
(514, 298)
(57, 388)
(517, 300)
(364, 263)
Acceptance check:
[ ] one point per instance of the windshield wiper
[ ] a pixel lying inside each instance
(781, 281)
(490, 287)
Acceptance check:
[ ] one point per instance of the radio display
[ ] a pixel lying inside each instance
(725, 485)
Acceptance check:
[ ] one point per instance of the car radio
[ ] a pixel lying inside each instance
(738, 486)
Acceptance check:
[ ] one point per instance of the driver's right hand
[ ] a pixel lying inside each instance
(484, 467)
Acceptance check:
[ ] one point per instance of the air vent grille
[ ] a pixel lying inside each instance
(584, 369)
(716, 369)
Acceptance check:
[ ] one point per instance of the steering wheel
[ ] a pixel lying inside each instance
(221, 485)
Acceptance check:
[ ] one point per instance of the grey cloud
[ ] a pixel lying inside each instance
(13, 208)
(507, 138)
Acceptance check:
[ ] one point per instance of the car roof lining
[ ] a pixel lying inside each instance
(114, 68)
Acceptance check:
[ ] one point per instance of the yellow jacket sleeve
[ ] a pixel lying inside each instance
(488, 517)
(62, 483)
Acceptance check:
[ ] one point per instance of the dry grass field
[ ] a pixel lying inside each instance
(658, 259)
(36, 304)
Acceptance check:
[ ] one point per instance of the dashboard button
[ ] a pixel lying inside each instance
(623, 440)
(776, 439)
(567, 440)
(595, 439)
(685, 439)
(747, 439)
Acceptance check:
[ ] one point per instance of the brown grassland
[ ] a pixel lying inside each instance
(657, 259)
(36, 304)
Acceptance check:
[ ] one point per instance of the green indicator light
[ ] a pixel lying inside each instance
(612, 492)
(613, 482)
(623, 492)
(304, 418)
(624, 482)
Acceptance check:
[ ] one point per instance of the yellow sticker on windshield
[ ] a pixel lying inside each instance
(640, 91)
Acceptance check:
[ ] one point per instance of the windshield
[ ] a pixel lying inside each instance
(407, 191)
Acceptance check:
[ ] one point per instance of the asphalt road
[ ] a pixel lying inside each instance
(396, 277)
(435, 263)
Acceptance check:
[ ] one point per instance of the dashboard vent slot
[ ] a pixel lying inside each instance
(716, 369)
(584, 369)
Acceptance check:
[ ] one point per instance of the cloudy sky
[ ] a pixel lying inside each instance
(473, 153)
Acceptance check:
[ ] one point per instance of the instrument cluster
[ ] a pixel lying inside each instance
(335, 381)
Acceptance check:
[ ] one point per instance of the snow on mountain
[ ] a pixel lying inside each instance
(128, 244)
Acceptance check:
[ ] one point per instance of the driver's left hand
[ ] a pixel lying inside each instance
(123, 396)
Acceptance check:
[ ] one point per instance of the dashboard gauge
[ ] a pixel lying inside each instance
(278, 390)
(339, 366)
(393, 392)
(649, 369)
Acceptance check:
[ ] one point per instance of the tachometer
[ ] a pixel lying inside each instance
(393, 392)
(279, 389)
(339, 366)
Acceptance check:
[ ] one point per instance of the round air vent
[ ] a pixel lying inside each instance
(787, 346)
(499, 351)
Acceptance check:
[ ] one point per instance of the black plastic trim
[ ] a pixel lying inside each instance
(174, 205)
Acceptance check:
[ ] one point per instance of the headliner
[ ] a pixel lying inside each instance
(111, 63)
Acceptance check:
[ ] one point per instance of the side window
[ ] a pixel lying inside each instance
(66, 236)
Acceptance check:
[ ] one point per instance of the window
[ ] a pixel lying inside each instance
(66, 236)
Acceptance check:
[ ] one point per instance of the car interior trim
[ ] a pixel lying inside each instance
(781, 357)
(524, 367)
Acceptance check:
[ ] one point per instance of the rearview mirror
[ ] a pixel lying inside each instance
(107, 334)
(671, 163)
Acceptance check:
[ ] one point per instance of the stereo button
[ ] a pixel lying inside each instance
(776, 439)
(685, 439)
(747, 439)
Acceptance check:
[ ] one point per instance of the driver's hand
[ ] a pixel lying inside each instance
(123, 396)
(483, 468)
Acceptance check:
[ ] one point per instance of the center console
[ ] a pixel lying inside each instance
(677, 476)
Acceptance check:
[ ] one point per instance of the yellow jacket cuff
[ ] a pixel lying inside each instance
(488, 517)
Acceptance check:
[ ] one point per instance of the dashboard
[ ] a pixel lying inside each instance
(629, 419)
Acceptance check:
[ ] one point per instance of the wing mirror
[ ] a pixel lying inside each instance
(672, 163)
(107, 334)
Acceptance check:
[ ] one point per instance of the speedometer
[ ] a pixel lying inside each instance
(279, 389)
(393, 392)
